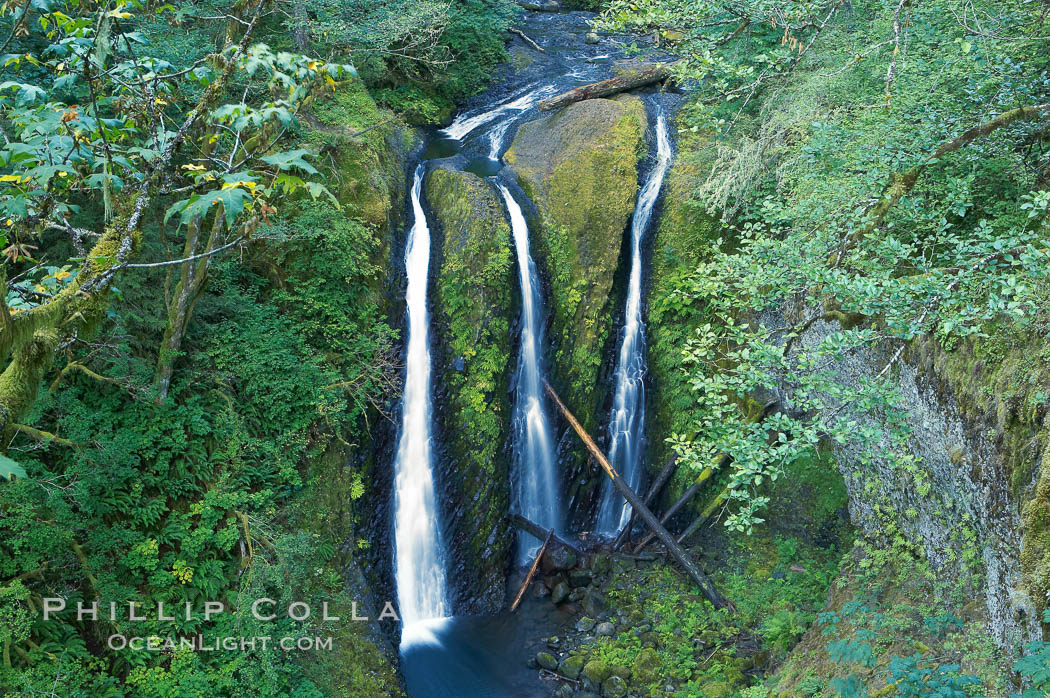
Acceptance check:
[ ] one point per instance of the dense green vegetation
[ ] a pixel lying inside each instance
(194, 336)
(199, 353)
(863, 200)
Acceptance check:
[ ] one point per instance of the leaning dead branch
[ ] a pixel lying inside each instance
(687, 563)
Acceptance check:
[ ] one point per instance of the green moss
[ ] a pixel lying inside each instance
(472, 305)
(684, 235)
(580, 167)
(357, 144)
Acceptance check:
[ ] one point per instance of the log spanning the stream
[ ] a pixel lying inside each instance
(621, 83)
(540, 533)
(691, 568)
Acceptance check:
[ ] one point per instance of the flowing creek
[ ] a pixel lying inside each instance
(442, 654)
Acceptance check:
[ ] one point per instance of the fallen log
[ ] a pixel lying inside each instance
(532, 572)
(658, 485)
(526, 39)
(706, 514)
(621, 83)
(539, 532)
(690, 567)
(690, 492)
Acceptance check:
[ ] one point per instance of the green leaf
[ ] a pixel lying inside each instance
(292, 159)
(10, 469)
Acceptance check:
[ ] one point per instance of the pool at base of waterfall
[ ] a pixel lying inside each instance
(481, 656)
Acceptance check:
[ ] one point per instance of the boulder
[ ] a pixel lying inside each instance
(614, 687)
(560, 592)
(645, 666)
(546, 660)
(557, 558)
(472, 305)
(605, 629)
(594, 603)
(594, 674)
(572, 666)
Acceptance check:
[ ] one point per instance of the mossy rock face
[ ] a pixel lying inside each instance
(580, 167)
(472, 307)
(364, 172)
(684, 235)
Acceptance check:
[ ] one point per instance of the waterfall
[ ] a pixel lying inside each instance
(627, 421)
(464, 124)
(419, 558)
(535, 481)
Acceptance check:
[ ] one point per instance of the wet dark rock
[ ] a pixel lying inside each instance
(601, 565)
(547, 661)
(585, 624)
(560, 592)
(594, 604)
(557, 558)
(606, 629)
(614, 687)
(579, 578)
(564, 691)
(572, 666)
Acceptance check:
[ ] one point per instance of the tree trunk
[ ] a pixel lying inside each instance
(539, 532)
(192, 277)
(612, 86)
(532, 572)
(658, 485)
(686, 496)
(691, 568)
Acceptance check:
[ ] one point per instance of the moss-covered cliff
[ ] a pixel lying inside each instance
(472, 308)
(683, 236)
(580, 167)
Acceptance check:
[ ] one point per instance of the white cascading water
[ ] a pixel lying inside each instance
(535, 479)
(627, 421)
(420, 558)
(466, 123)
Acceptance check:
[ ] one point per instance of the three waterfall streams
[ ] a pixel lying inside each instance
(463, 656)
